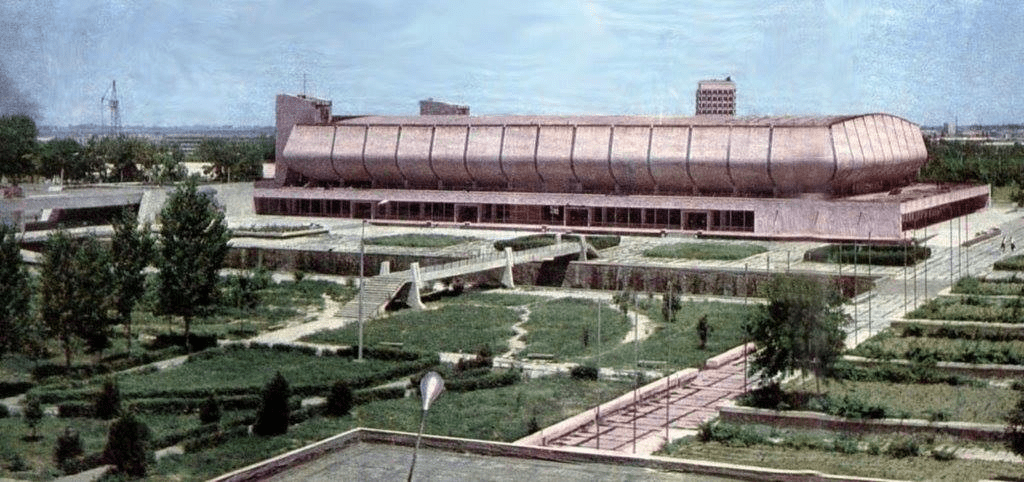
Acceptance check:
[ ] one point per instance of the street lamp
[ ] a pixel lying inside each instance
(362, 255)
(431, 386)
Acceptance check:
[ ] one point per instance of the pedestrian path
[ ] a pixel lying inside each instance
(658, 414)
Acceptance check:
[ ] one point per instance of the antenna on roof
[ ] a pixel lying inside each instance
(303, 84)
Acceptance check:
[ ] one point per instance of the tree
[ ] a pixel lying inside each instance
(33, 414)
(67, 158)
(67, 452)
(339, 401)
(209, 411)
(17, 146)
(232, 159)
(801, 328)
(131, 249)
(75, 282)
(272, 417)
(108, 401)
(670, 303)
(127, 446)
(1015, 427)
(14, 292)
(193, 244)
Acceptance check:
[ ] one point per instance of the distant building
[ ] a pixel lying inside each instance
(949, 129)
(433, 107)
(716, 97)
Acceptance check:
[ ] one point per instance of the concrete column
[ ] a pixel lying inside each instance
(558, 238)
(583, 248)
(506, 275)
(385, 267)
(413, 300)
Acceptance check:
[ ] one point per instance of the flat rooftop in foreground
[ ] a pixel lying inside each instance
(369, 454)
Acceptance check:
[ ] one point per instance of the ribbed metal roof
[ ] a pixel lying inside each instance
(618, 120)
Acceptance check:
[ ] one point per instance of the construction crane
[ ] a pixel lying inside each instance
(109, 101)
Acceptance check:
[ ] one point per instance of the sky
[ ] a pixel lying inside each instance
(212, 62)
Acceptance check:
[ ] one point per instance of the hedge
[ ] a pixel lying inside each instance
(869, 254)
(493, 380)
(11, 389)
(540, 240)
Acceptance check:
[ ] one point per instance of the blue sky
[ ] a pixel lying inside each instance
(222, 62)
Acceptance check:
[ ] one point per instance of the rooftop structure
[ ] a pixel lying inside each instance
(433, 107)
(716, 97)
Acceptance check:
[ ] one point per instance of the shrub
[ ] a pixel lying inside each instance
(272, 417)
(67, 452)
(584, 372)
(944, 454)
(340, 400)
(127, 445)
(4, 412)
(10, 389)
(33, 414)
(108, 401)
(845, 445)
(209, 411)
(75, 409)
(902, 448)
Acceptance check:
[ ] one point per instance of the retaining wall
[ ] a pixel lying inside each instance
(818, 421)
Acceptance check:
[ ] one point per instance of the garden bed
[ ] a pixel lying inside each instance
(877, 255)
(705, 251)
(972, 308)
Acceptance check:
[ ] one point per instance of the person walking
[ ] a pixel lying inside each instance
(702, 331)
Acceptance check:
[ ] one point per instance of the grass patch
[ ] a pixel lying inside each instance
(676, 343)
(869, 254)
(961, 403)
(567, 327)
(922, 467)
(539, 240)
(424, 330)
(250, 368)
(985, 287)
(720, 251)
(503, 414)
(411, 240)
(926, 349)
(971, 308)
(1013, 263)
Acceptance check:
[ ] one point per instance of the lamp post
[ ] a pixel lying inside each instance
(431, 386)
(362, 253)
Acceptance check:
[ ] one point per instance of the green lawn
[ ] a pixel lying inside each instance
(959, 403)
(567, 327)
(413, 240)
(942, 349)
(677, 342)
(502, 414)
(720, 251)
(451, 328)
(250, 367)
(970, 308)
(982, 286)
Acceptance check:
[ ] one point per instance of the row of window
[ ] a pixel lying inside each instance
(584, 216)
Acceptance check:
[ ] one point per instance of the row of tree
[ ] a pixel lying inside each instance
(84, 288)
(124, 158)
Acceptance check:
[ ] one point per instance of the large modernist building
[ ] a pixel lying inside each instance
(820, 177)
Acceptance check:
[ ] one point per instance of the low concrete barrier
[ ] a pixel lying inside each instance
(728, 356)
(979, 370)
(816, 420)
(281, 463)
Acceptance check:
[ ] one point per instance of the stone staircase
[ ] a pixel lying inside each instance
(377, 292)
